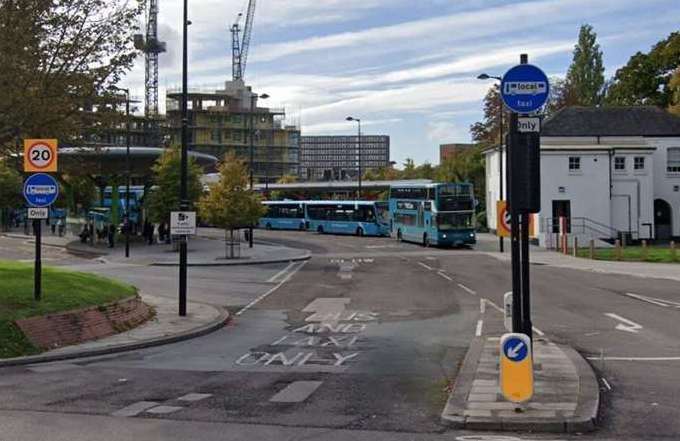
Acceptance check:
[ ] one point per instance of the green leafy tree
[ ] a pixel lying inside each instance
(466, 166)
(278, 195)
(646, 78)
(488, 130)
(561, 96)
(674, 86)
(79, 191)
(57, 56)
(585, 77)
(10, 196)
(164, 196)
(229, 204)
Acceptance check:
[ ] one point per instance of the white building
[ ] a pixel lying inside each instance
(612, 171)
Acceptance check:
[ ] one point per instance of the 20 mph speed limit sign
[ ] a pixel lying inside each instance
(40, 155)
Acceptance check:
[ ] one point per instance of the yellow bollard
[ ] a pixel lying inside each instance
(645, 251)
(618, 250)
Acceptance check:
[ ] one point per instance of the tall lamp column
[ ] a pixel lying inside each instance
(358, 121)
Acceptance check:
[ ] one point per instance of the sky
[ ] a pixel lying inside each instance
(407, 68)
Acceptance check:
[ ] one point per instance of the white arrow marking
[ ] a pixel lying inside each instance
(514, 352)
(626, 325)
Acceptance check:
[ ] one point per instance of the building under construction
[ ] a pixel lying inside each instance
(230, 120)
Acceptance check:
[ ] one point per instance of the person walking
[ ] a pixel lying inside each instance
(61, 227)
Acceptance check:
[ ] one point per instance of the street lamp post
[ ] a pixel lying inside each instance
(184, 202)
(358, 120)
(126, 217)
(500, 148)
(253, 98)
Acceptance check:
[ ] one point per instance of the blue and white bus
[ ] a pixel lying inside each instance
(433, 214)
(283, 215)
(362, 218)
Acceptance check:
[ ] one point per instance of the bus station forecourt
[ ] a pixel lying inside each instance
(429, 214)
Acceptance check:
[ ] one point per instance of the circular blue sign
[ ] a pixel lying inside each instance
(41, 190)
(525, 88)
(515, 349)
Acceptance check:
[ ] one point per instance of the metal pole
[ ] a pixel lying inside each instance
(252, 154)
(126, 221)
(526, 299)
(184, 203)
(37, 273)
(514, 239)
(500, 166)
(359, 144)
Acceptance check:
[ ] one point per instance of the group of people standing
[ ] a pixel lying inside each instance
(148, 232)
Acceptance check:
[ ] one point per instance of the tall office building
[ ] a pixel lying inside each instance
(327, 158)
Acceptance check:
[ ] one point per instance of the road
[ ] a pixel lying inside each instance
(360, 342)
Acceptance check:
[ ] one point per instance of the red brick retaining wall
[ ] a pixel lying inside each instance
(81, 325)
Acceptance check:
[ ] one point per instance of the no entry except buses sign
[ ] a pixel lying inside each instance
(40, 155)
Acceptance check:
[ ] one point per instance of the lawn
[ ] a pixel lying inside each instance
(61, 291)
(633, 254)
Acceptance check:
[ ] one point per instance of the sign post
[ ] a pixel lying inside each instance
(525, 89)
(40, 191)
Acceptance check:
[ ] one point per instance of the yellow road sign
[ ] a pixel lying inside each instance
(40, 155)
(516, 368)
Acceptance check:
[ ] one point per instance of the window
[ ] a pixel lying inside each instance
(235, 135)
(673, 160)
(620, 163)
(574, 163)
(639, 163)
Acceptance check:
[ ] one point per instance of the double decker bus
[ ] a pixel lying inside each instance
(283, 215)
(362, 218)
(433, 214)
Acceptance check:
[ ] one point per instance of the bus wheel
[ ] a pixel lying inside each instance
(302, 227)
(360, 231)
(319, 230)
(426, 241)
(399, 238)
(268, 226)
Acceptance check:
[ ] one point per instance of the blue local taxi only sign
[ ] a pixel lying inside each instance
(41, 190)
(525, 88)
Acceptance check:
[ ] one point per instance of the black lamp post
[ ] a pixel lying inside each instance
(358, 120)
(500, 147)
(253, 98)
(184, 202)
(126, 217)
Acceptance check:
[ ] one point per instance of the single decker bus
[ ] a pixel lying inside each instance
(433, 214)
(283, 215)
(362, 218)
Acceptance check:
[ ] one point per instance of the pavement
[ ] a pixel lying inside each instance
(166, 327)
(566, 391)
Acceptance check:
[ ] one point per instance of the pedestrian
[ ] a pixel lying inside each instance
(111, 233)
(161, 232)
(53, 226)
(61, 227)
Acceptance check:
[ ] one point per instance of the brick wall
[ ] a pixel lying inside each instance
(72, 327)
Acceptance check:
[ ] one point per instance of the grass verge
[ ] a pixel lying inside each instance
(61, 291)
(634, 254)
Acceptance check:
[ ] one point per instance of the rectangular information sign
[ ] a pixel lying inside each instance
(37, 213)
(182, 223)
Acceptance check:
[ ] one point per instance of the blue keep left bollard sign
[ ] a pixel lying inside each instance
(41, 190)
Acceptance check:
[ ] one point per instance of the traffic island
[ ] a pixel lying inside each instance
(566, 392)
(74, 307)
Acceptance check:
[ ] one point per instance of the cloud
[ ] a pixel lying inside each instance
(345, 126)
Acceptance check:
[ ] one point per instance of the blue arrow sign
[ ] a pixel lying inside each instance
(525, 88)
(41, 190)
(515, 349)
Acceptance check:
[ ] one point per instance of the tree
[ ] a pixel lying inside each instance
(466, 166)
(278, 195)
(229, 204)
(57, 57)
(561, 96)
(10, 196)
(164, 196)
(674, 86)
(585, 77)
(487, 131)
(79, 192)
(645, 79)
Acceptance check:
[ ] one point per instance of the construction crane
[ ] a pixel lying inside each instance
(239, 47)
(151, 47)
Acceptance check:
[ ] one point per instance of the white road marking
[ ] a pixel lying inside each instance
(538, 331)
(625, 325)
(268, 293)
(194, 397)
(444, 275)
(606, 384)
(163, 410)
(466, 289)
(482, 306)
(496, 307)
(654, 300)
(478, 331)
(296, 392)
(635, 358)
(427, 267)
(280, 273)
(134, 409)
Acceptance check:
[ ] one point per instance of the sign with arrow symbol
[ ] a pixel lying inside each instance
(516, 368)
(625, 325)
